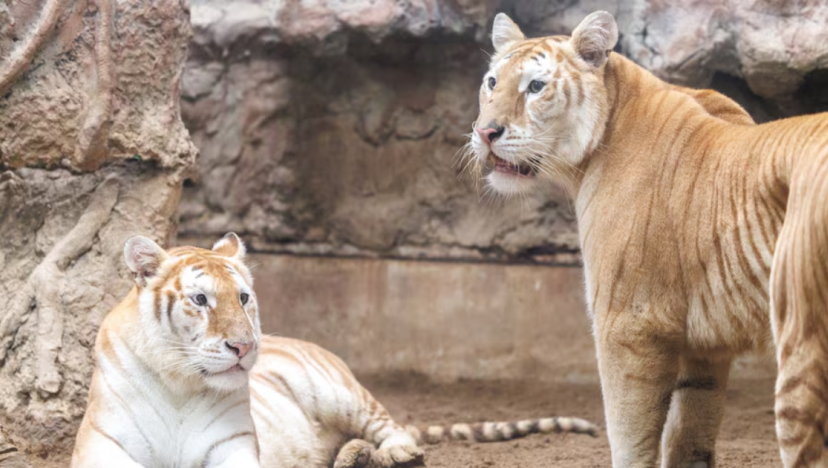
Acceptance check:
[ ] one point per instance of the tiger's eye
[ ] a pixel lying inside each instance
(200, 299)
(492, 82)
(535, 86)
(243, 297)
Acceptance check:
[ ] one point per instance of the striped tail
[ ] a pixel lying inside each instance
(500, 431)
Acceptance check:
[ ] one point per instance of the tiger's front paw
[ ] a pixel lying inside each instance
(354, 454)
(398, 456)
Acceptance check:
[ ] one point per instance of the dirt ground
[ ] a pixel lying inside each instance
(746, 440)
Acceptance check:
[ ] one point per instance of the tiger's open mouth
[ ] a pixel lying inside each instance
(517, 170)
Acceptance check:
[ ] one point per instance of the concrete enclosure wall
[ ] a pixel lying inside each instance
(439, 319)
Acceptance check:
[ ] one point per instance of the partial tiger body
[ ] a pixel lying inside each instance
(307, 404)
(715, 250)
(703, 235)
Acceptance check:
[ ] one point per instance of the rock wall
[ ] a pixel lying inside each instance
(332, 128)
(442, 320)
(92, 151)
(334, 132)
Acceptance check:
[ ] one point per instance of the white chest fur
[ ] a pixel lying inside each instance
(134, 412)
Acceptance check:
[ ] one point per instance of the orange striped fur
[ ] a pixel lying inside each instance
(703, 235)
(170, 385)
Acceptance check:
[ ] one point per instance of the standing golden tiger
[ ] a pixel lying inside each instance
(701, 234)
(175, 384)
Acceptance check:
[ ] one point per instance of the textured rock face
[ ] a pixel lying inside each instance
(99, 96)
(777, 47)
(332, 128)
(92, 150)
(336, 133)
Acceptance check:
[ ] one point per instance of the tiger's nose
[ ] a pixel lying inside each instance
(491, 133)
(241, 348)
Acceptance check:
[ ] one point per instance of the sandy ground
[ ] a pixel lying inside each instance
(746, 440)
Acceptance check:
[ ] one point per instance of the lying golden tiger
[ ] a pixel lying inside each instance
(701, 233)
(173, 385)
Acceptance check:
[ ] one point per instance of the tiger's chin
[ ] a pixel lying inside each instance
(510, 178)
(510, 183)
(228, 380)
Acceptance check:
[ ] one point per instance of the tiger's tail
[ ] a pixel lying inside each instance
(799, 302)
(500, 431)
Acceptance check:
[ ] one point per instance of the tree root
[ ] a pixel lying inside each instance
(20, 59)
(43, 287)
(92, 148)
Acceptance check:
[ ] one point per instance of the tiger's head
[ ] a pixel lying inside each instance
(199, 314)
(543, 104)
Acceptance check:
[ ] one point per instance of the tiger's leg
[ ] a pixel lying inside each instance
(696, 411)
(638, 374)
(96, 450)
(236, 451)
(355, 454)
(799, 319)
(349, 409)
(396, 446)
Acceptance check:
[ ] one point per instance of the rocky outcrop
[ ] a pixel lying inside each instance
(92, 150)
(332, 127)
(778, 48)
(335, 132)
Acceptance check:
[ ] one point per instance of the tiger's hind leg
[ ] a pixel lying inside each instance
(799, 317)
(696, 410)
(359, 453)
(396, 446)
(398, 450)
(355, 454)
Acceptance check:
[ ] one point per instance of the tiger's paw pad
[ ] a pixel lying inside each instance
(398, 456)
(354, 454)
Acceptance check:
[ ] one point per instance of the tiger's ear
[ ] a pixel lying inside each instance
(230, 246)
(505, 32)
(595, 37)
(144, 258)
